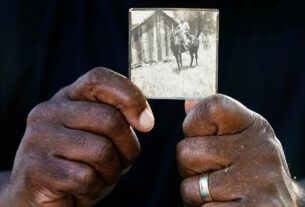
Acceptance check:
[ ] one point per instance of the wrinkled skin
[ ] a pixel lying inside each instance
(239, 150)
(78, 144)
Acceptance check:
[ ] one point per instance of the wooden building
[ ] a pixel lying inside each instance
(150, 40)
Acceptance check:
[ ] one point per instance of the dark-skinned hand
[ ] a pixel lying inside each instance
(78, 144)
(239, 151)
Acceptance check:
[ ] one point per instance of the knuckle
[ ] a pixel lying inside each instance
(39, 112)
(274, 149)
(187, 124)
(30, 169)
(221, 105)
(85, 178)
(31, 138)
(129, 159)
(115, 120)
(186, 190)
(271, 152)
(94, 75)
(133, 99)
(100, 75)
(262, 125)
(206, 109)
(104, 151)
(183, 152)
(134, 147)
(133, 154)
(182, 149)
(130, 96)
(215, 101)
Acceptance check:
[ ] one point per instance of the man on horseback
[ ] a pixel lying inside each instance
(183, 41)
(184, 29)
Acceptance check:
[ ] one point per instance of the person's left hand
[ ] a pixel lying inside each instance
(238, 149)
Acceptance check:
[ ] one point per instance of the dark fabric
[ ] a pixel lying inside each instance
(45, 45)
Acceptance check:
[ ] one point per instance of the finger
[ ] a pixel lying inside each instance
(217, 115)
(81, 201)
(189, 104)
(62, 177)
(224, 185)
(101, 119)
(106, 86)
(91, 149)
(205, 154)
(190, 192)
(223, 204)
(221, 188)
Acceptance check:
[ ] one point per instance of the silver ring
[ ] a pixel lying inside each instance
(204, 188)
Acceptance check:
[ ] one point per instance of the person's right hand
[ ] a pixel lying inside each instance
(78, 144)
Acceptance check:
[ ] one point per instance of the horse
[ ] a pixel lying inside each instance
(177, 47)
(176, 43)
(193, 46)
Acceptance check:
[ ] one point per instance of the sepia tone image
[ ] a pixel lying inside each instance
(173, 52)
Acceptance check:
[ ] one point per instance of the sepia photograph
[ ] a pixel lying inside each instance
(173, 52)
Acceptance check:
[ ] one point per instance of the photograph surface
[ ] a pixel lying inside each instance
(173, 52)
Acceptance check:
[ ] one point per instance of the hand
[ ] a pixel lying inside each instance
(240, 152)
(78, 144)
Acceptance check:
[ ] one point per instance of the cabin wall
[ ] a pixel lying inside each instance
(150, 41)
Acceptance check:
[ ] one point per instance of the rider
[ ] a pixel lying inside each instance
(184, 30)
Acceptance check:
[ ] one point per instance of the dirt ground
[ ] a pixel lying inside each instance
(165, 80)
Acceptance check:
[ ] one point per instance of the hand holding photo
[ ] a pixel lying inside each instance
(173, 52)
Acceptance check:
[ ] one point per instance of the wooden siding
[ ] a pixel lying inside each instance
(150, 40)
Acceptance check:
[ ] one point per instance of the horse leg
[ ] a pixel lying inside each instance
(196, 56)
(180, 58)
(192, 58)
(177, 60)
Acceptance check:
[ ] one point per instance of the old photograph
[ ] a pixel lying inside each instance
(173, 52)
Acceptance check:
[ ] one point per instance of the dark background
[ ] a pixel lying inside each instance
(45, 45)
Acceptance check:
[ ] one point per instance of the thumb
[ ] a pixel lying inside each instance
(189, 104)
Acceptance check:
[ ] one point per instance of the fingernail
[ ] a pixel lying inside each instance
(147, 120)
